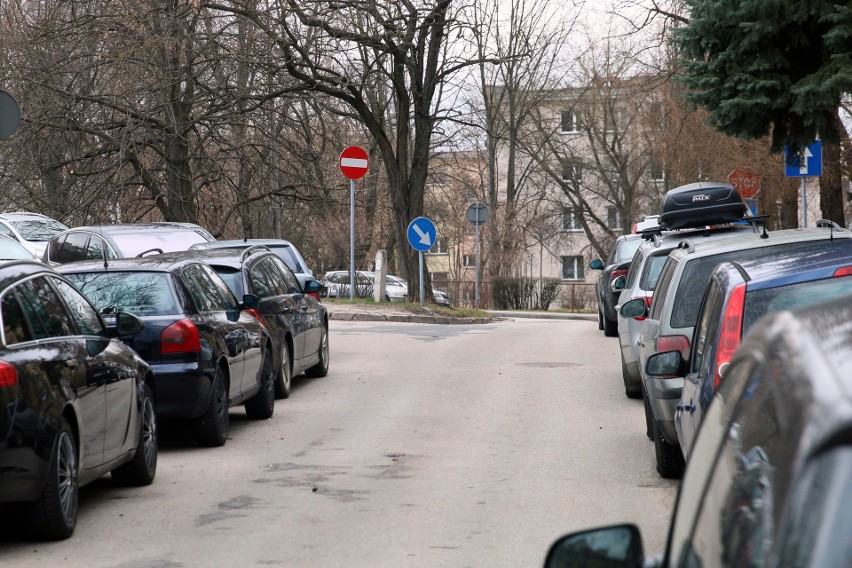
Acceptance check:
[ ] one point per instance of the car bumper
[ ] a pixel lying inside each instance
(182, 390)
(664, 396)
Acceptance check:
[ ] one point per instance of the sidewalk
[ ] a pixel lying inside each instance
(396, 313)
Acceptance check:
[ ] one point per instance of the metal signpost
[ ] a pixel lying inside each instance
(353, 165)
(477, 214)
(804, 164)
(421, 236)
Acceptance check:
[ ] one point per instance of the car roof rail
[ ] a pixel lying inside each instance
(144, 252)
(247, 252)
(829, 223)
(688, 245)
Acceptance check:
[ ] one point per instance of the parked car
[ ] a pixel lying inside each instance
(740, 293)
(336, 283)
(77, 402)
(297, 322)
(207, 350)
(285, 250)
(10, 249)
(106, 242)
(775, 474)
(674, 311)
(617, 264)
(32, 230)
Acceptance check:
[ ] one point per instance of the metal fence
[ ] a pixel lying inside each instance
(572, 296)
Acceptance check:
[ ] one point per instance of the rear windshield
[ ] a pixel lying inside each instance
(132, 244)
(696, 275)
(286, 254)
(232, 277)
(627, 249)
(38, 230)
(11, 250)
(770, 300)
(141, 293)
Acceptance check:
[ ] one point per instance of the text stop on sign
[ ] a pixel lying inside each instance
(354, 162)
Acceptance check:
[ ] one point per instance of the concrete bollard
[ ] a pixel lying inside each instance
(380, 273)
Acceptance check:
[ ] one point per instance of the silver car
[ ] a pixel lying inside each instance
(32, 230)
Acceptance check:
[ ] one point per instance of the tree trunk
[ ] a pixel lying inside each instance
(830, 184)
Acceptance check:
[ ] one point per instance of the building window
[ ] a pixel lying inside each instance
(468, 260)
(572, 171)
(570, 121)
(571, 220)
(440, 278)
(440, 246)
(613, 219)
(655, 169)
(572, 268)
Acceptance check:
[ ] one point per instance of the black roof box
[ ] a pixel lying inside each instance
(700, 204)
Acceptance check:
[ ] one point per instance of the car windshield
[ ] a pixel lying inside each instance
(39, 230)
(770, 300)
(132, 244)
(141, 293)
(11, 250)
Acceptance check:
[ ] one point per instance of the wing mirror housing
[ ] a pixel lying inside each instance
(635, 308)
(615, 546)
(667, 363)
(618, 284)
(312, 286)
(127, 324)
(596, 264)
(250, 302)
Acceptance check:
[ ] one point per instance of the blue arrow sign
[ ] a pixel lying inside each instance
(421, 234)
(807, 163)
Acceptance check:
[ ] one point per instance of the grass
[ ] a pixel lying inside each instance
(412, 307)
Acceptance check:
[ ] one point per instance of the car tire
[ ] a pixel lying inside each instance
(649, 418)
(669, 458)
(284, 380)
(610, 328)
(600, 320)
(631, 392)
(262, 405)
(211, 429)
(53, 516)
(321, 368)
(142, 469)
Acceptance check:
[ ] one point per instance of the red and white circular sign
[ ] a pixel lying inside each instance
(747, 184)
(354, 162)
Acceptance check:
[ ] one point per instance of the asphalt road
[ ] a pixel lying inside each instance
(427, 445)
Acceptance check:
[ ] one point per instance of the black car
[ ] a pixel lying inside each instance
(770, 480)
(122, 241)
(297, 322)
(617, 264)
(207, 350)
(76, 402)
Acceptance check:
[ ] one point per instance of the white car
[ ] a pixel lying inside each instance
(337, 285)
(32, 230)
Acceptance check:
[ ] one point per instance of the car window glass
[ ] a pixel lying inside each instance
(290, 280)
(735, 526)
(43, 309)
(260, 281)
(660, 295)
(226, 298)
(13, 250)
(74, 247)
(15, 328)
(635, 268)
(703, 336)
(85, 317)
(233, 278)
(651, 273)
(204, 294)
(627, 248)
(140, 293)
(38, 230)
(7, 231)
(54, 247)
(770, 300)
(137, 242)
(286, 254)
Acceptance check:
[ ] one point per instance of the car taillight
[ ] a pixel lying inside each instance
(732, 330)
(672, 343)
(315, 295)
(845, 271)
(256, 315)
(8, 375)
(180, 337)
(616, 273)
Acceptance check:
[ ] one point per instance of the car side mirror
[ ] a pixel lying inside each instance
(250, 302)
(596, 264)
(618, 284)
(614, 547)
(665, 363)
(635, 308)
(127, 324)
(312, 286)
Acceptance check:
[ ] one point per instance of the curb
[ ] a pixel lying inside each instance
(399, 318)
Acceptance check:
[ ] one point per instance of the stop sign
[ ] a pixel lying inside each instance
(354, 162)
(748, 185)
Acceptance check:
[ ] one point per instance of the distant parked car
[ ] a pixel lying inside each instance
(297, 322)
(32, 230)
(740, 293)
(130, 240)
(76, 402)
(208, 351)
(774, 478)
(617, 264)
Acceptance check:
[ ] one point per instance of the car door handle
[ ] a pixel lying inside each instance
(685, 408)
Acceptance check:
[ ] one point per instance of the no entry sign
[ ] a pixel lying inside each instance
(354, 162)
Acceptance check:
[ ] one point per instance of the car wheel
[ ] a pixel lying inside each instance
(600, 320)
(262, 405)
(143, 467)
(321, 368)
(629, 389)
(285, 374)
(648, 415)
(53, 515)
(669, 458)
(211, 429)
(610, 327)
